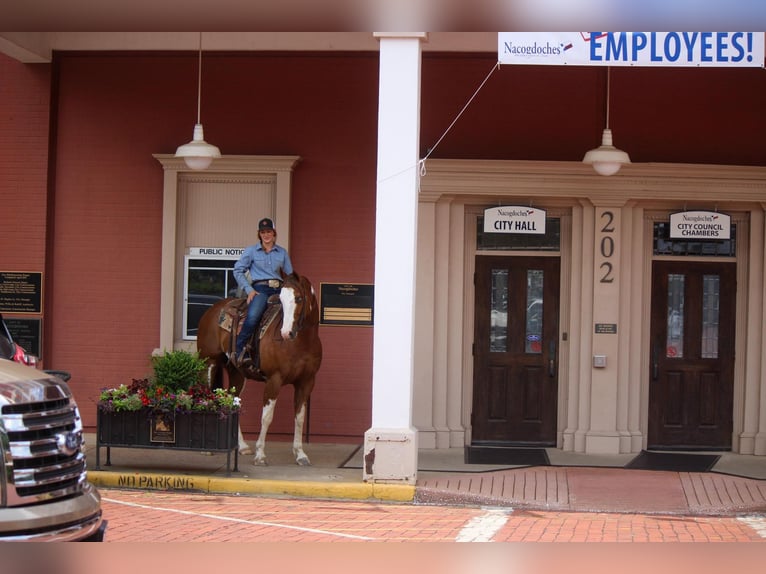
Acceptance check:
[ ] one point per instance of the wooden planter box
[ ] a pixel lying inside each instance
(178, 431)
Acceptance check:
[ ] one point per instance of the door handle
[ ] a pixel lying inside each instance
(655, 365)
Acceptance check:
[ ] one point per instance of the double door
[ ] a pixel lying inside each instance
(516, 353)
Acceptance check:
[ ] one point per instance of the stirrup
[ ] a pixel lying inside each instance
(241, 358)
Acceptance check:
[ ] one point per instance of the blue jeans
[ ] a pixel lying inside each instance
(254, 313)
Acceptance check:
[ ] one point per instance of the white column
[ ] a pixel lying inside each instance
(390, 445)
(603, 436)
(607, 432)
(424, 384)
(753, 437)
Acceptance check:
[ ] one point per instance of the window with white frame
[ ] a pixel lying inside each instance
(207, 281)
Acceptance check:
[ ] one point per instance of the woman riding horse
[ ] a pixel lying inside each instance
(265, 261)
(290, 354)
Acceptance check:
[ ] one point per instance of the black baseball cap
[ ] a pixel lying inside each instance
(265, 223)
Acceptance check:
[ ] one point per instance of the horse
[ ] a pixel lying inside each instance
(290, 354)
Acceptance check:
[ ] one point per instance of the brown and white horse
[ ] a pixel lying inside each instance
(290, 354)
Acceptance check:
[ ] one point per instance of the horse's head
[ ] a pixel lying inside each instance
(296, 297)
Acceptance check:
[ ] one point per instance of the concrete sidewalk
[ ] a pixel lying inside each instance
(737, 484)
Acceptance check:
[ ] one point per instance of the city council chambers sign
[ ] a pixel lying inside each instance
(700, 225)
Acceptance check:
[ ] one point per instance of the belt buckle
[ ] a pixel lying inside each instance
(274, 283)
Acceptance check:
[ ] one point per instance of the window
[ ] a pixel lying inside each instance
(551, 241)
(498, 313)
(663, 245)
(207, 282)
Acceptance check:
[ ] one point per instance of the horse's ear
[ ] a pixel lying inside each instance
(284, 275)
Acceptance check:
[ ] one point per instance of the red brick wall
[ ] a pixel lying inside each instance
(24, 118)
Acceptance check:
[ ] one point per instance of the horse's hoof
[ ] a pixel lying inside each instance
(245, 451)
(260, 462)
(303, 461)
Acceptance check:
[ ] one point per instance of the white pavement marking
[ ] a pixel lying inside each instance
(757, 523)
(483, 528)
(229, 519)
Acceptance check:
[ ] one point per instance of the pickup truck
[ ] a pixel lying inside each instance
(44, 490)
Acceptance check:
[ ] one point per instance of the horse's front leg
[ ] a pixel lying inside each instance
(260, 444)
(300, 419)
(235, 380)
(244, 448)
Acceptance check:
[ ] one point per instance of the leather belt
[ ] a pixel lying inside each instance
(273, 283)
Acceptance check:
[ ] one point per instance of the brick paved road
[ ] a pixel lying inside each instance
(137, 516)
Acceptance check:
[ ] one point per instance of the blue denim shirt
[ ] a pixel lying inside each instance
(261, 265)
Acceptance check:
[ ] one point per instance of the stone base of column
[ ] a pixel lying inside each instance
(602, 443)
(390, 456)
(636, 442)
(744, 444)
(759, 446)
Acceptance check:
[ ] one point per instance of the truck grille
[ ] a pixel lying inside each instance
(46, 456)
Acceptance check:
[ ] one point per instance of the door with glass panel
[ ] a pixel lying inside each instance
(515, 351)
(692, 355)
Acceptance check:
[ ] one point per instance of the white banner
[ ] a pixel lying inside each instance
(689, 49)
(514, 219)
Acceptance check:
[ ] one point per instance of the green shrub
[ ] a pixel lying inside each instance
(178, 370)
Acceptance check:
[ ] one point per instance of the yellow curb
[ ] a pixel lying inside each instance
(394, 492)
(307, 489)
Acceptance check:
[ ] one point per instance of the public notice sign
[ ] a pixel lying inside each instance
(514, 219)
(676, 49)
(700, 225)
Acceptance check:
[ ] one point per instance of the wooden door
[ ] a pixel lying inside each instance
(692, 355)
(515, 351)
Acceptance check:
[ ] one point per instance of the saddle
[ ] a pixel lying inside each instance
(230, 319)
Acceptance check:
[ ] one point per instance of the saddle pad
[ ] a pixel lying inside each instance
(229, 311)
(239, 307)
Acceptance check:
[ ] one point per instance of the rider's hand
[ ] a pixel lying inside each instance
(251, 296)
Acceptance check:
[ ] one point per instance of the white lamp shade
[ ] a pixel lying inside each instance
(606, 159)
(198, 154)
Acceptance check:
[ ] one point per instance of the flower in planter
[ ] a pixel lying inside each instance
(176, 386)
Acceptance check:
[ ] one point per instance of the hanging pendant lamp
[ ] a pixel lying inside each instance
(198, 154)
(606, 159)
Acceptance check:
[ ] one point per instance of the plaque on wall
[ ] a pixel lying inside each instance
(606, 328)
(25, 332)
(21, 292)
(346, 303)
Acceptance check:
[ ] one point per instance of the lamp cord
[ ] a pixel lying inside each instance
(199, 78)
(608, 78)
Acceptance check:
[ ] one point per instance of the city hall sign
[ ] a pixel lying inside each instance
(514, 219)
